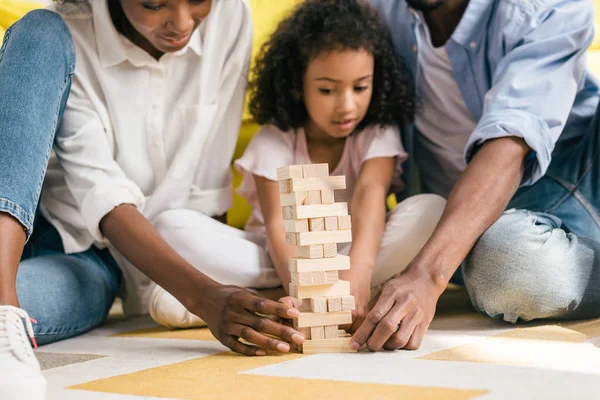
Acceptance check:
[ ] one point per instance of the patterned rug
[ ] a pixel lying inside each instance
(464, 356)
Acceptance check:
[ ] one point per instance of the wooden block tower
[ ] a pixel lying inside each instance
(316, 224)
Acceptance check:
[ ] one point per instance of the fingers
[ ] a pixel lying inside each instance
(291, 302)
(254, 337)
(417, 337)
(386, 327)
(234, 344)
(257, 304)
(405, 332)
(365, 331)
(269, 327)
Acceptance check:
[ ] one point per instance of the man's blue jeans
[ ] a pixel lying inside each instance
(541, 259)
(67, 294)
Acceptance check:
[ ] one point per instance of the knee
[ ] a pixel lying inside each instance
(512, 271)
(44, 33)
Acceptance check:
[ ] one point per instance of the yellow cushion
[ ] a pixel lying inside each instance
(12, 10)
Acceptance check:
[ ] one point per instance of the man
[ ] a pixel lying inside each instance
(507, 132)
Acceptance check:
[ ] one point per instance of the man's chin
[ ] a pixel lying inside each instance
(425, 5)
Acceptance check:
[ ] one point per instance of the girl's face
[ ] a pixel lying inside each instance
(338, 86)
(165, 25)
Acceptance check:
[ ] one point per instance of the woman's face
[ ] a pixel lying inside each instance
(165, 26)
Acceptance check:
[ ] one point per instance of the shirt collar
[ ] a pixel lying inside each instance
(471, 25)
(114, 48)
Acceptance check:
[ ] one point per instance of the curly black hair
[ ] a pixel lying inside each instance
(316, 26)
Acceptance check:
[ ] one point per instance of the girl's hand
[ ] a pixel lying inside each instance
(360, 288)
(233, 313)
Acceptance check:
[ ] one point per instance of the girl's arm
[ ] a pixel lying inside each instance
(368, 224)
(268, 197)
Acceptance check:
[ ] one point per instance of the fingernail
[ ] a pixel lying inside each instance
(354, 345)
(297, 338)
(261, 353)
(292, 312)
(283, 347)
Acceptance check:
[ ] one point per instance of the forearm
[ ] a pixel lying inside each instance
(368, 224)
(133, 235)
(476, 202)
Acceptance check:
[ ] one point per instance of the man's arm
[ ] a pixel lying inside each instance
(476, 202)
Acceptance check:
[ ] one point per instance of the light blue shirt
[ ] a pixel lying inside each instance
(520, 66)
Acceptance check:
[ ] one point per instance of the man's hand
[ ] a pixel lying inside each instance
(233, 313)
(401, 315)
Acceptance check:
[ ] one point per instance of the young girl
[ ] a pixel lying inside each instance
(328, 89)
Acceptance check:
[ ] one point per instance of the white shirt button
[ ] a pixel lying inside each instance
(414, 48)
(473, 44)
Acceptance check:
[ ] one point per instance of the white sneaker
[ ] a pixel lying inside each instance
(166, 310)
(22, 378)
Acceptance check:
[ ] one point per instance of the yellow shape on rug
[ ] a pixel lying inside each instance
(160, 332)
(558, 347)
(220, 377)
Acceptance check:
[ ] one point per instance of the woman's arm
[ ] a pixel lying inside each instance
(268, 197)
(368, 225)
(229, 311)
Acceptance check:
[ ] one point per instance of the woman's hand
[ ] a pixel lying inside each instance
(360, 288)
(233, 313)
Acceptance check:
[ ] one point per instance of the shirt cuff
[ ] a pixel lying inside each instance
(516, 123)
(101, 200)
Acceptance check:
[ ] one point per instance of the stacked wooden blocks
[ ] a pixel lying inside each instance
(316, 224)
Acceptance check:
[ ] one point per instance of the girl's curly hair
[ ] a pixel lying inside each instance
(316, 26)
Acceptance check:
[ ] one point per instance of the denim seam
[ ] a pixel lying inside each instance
(572, 190)
(18, 212)
(3, 48)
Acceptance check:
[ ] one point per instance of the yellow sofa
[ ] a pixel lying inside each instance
(266, 15)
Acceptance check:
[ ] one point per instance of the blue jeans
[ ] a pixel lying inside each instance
(67, 294)
(541, 259)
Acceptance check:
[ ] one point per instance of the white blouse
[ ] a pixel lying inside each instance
(156, 134)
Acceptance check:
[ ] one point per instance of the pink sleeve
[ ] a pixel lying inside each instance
(385, 142)
(268, 150)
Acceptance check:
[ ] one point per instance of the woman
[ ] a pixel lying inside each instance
(144, 141)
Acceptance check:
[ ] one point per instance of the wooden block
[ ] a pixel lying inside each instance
(315, 170)
(334, 304)
(313, 197)
(318, 304)
(348, 303)
(317, 332)
(315, 211)
(329, 250)
(314, 251)
(293, 291)
(343, 333)
(344, 222)
(340, 288)
(293, 199)
(306, 320)
(304, 332)
(285, 186)
(291, 238)
(327, 197)
(296, 225)
(325, 183)
(339, 263)
(290, 172)
(305, 306)
(331, 223)
(315, 278)
(331, 332)
(316, 224)
(338, 345)
(323, 237)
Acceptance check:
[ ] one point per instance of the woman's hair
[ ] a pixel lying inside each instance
(318, 26)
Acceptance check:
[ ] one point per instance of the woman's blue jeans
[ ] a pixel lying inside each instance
(67, 294)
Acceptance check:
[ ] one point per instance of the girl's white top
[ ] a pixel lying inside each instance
(156, 134)
(272, 148)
